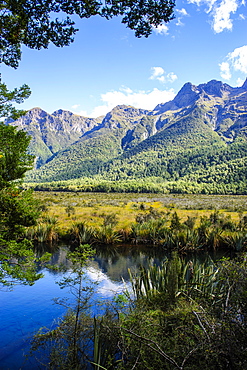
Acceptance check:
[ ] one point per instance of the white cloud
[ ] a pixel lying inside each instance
(240, 82)
(171, 77)
(179, 22)
(126, 90)
(222, 13)
(82, 113)
(161, 79)
(75, 106)
(236, 61)
(197, 2)
(208, 3)
(225, 70)
(139, 99)
(158, 73)
(182, 12)
(162, 29)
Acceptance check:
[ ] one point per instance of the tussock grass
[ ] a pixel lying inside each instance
(127, 206)
(148, 219)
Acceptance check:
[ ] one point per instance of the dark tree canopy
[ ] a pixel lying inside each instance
(34, 24)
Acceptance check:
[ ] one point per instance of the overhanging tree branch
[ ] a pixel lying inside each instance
(32, 23)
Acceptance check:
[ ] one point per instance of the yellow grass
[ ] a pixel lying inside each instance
(88, 207)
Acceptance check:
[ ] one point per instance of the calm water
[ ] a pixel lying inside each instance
(26, 309)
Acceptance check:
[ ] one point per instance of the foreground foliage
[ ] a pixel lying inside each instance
(182, 316)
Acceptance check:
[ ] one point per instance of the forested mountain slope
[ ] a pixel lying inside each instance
(200, 136)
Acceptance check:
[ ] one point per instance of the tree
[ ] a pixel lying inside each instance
(68, 345)
(8, 97)
(14, 160)
(18, 209)
(32, 23)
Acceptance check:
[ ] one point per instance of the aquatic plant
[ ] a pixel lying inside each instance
(173, 278)
(81, 233)
(106, 235)
(45, 231)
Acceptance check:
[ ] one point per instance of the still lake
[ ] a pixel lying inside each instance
(25, 309)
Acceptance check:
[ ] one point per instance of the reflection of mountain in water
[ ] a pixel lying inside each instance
(116, 268)
(58, 257)
(112, 261)
(115, 262)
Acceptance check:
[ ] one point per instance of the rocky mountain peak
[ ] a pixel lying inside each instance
(215, 88)
(128, 110)
(33, 115)
(121, 115)
(62, 113)
(188, 94)
(37, 113)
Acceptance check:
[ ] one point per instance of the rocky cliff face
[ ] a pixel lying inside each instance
(123, 116)
(58, 122)
(225, 106)
(52, 132)
(189, 94)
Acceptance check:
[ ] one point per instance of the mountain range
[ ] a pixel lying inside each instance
(198, 137)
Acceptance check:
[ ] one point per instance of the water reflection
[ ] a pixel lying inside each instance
(113, 262)
(25, 309)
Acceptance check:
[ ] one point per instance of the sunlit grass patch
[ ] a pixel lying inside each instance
(141, 218)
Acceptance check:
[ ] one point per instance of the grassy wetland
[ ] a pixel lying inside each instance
(183, 222)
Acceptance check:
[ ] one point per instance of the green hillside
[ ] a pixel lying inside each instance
(84, 158)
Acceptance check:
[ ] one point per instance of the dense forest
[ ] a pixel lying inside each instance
(210, 170)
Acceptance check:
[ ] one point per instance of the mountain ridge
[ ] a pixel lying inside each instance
(130, 142)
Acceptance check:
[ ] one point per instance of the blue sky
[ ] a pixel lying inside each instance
(107, 65)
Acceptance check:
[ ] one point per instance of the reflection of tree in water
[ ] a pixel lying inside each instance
(58, 257)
